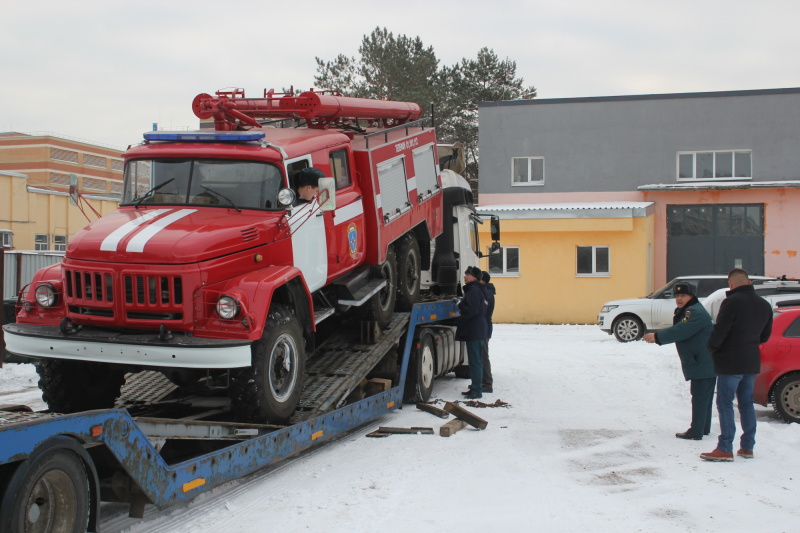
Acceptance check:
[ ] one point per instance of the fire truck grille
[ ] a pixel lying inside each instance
(85, 287)
(153, 290)
(141, 296)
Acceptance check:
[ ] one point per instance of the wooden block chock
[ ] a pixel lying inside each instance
(451, 427)
(428, 408)
(466, 416)
(377, 385)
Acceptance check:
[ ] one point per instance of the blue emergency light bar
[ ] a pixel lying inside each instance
(204, 136)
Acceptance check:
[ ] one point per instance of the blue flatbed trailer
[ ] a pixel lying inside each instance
(59, 467)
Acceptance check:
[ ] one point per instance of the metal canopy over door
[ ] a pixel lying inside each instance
(713, 239)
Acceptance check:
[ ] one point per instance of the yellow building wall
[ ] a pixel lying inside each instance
(547, 289)
(27, 214)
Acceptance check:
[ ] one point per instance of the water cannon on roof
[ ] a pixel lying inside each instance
(231, 110)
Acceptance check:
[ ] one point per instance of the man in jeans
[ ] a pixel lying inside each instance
(472, 328)
(744, 322)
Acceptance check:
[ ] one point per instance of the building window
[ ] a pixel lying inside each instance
(727, 164)
(60, 243)
(42, 241)
(94, 161)
(58, 154)
(59, 179)
(527, 171)
(593, 260)
(340, 168)
(6, 238)
(117, 165)
(505, 263)
(94, 184)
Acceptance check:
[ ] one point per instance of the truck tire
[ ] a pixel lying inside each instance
(421, 369)
(380, 307)
(47, 492)
(269, 390)
(73, 386)
(409, 271)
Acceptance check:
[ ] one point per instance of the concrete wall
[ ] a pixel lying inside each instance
(620, 143)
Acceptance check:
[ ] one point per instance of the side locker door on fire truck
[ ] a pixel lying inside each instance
(346, 235)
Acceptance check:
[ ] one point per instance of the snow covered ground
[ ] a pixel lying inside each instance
(587, 445)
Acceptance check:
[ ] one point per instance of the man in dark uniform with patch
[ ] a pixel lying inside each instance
(690, 332)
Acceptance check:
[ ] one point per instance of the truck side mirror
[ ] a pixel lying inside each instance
(327, 194)
(494, 229)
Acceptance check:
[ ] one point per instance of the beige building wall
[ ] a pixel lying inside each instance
(548, 290)
(36, 171)
(25, 212)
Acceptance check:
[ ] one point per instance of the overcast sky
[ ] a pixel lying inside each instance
(104, 71)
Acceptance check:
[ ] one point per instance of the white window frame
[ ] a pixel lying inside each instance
(505, 272)
(6, 238)
(530, 181)
(714, 153)
(594, 273)
(60, 246)
(41, 246)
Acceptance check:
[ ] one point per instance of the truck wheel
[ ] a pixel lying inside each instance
(786, 398)
(269, 390)
(628, 328)
(409, 268)
(421, 370)
(49, 492)
(72, 386)
(381, 306)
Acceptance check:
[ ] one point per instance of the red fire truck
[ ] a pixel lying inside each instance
(211, 270)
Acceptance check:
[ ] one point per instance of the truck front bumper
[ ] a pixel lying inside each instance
(101, 346)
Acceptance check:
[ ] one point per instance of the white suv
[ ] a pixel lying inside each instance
(629, 319)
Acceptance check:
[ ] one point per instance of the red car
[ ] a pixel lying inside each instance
(779, 380)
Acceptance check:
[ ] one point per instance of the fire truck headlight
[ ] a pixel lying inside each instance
(227, 307)
(286, 197)
(46, 295)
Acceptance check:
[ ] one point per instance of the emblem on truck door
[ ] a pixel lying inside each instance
(352, 238)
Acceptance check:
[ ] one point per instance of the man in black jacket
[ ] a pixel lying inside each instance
(472, 328)
(489, 291)
(744, 322)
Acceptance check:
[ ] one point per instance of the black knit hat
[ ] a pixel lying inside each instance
(683, 288)
(308, 176)
(473, 271)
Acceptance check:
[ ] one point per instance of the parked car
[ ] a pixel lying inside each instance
(773, 291)
(779, 380)
(628, 320)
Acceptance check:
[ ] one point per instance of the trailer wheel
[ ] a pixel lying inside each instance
(47, 493)
(72, 386)
(381, 306)
(269, 390)
(409, 268)
(421, 371)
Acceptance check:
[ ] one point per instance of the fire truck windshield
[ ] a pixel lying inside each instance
(209, 182)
